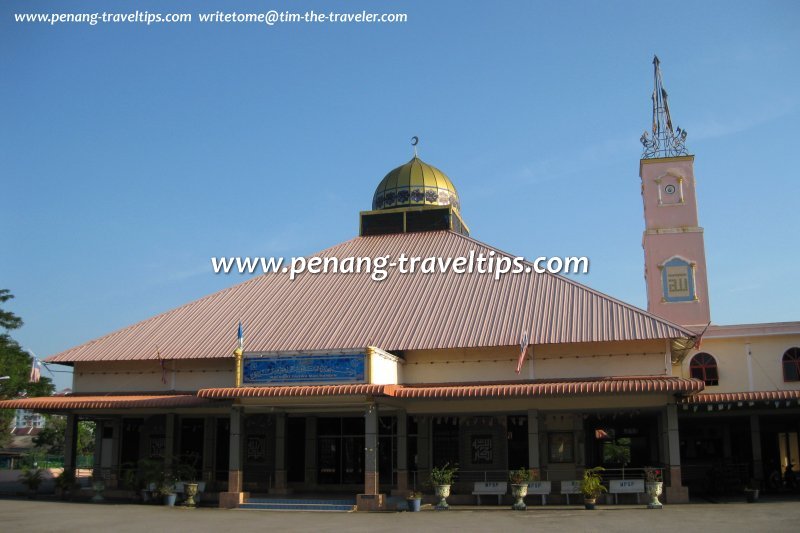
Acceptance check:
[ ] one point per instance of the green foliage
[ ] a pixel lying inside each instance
(31, 478)
(519, 477)
(166, 484)
(617, 452)
(15, 363)
(131, 478)
(592, 483)
(150, 471)
(443, 475)
(65, 480)
(53, 434)
(8, 320)
(186, 469)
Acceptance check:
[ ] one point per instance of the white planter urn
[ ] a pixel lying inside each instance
(654, 489)
(190, 491)
(519, 492)
(98, 486)
(442, 492)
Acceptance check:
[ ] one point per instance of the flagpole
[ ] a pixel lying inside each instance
(238, 354)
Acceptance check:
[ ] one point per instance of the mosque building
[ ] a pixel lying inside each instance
(347, 385)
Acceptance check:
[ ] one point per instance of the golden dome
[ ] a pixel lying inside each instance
(415, 184)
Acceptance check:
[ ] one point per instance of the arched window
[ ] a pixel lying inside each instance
(791, 364)
(704, 366)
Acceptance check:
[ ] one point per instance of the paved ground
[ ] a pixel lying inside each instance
(26, 515)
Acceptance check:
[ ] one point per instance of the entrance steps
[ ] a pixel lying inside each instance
(297, 504)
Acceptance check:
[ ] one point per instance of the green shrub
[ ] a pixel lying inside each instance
(443, 475)
(592, 483)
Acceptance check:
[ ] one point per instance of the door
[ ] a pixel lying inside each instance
(340, 451)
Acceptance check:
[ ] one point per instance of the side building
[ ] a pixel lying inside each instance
(743, 429)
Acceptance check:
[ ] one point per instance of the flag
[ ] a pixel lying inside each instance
(523, 346)
(36, 371)
(699, 339)
(240, 336)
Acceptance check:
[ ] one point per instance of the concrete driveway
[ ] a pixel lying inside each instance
(30, 515)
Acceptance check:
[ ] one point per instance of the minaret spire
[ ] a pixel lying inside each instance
(665, 141)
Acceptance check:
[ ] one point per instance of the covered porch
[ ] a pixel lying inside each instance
(382, 440)
(376, 441)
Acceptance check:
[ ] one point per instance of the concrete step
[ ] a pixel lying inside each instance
(286, 504)
(314, 501)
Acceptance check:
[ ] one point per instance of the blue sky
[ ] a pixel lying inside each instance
(131, 154)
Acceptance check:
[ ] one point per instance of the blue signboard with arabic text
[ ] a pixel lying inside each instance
(292, 369)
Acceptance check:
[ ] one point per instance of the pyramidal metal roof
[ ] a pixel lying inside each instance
(402, 312)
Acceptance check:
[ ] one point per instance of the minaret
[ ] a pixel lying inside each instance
(674, 253)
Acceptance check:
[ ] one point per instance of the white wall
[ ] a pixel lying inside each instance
(551, 361)
(146, 376)
(764, 372)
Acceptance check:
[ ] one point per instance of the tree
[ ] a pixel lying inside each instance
(51, 438)
(16, 364)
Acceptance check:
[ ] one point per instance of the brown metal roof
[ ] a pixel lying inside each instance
(56, 403)
(402, 312)
(292, 391)
(565, 387)
(752, 396)
(536, 388)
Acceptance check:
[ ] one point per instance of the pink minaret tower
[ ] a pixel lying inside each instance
(674, 253)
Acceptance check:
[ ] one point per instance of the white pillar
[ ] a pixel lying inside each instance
(371, 450)
(755, 444)
(311, 452)
(234, 495)
(169, 438)
(280, 455)
(209, 432)
(675, 492)
(402, 451)
(533, 438)
(371, 499)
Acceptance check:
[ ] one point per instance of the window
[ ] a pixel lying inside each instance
(791, 364)
(704, 366)
(445, 441)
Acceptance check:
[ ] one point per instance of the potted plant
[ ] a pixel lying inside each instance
(519, 487)
(441, 478)
(751, 491)
(65, 482)
(131, 481)
(31, 478)
(592, 486)
(653, 485)
(98, 486)
(166, 489)
(149, 471)
(188, 474)
(414, 500)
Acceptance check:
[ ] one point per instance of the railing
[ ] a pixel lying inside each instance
(215, 480)
(624, 473)
(54, 461)
(549, 474)
(473, 476)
